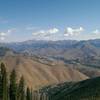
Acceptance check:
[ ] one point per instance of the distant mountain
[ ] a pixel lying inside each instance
(6, 51)
(84, 90)
(84, 52)
(49, 62)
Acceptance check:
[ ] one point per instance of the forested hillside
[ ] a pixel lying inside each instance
(84, 90)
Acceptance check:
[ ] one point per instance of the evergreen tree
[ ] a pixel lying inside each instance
(28, 94)
(0, 85)
(31, 94)
(13, 86)
(21, 90)
(5, 87)
(3, 79)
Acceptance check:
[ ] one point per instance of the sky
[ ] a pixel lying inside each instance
(22, 20)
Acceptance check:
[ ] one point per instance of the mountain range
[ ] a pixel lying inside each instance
(80, 51)
(44, 63)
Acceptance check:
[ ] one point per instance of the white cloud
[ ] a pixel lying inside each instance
(11, 30)
(49, 34)
(73, 32)
(2, 38)
(54, 30)
(96, 31)
(3, 35)
(45, 32)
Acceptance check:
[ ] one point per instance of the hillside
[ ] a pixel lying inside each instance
(84, 90)
(4, 51)
(38, 73)
(61, 71)
(41, 71)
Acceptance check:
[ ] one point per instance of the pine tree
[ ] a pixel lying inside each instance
(0, 84)
(31, 94)
(21, 90)
(13, 86)
(28, 94)
(4, 87)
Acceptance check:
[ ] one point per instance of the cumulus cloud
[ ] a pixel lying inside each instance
(45, 32)
(3, 35)
(73, 31)
(54, 30)
(96, 31)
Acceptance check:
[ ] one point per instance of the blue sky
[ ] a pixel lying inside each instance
(49, 19)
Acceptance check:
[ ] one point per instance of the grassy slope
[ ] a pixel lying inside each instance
(38, 74)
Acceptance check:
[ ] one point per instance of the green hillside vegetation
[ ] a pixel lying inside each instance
(84, 90)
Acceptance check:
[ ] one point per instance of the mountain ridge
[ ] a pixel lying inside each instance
(44, 62)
